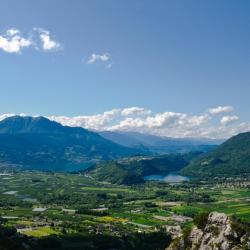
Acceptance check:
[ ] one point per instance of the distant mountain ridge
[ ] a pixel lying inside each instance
(229, 159)
(39, 142)
(160, 144)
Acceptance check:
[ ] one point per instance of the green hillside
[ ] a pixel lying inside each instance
(132, 170)
(230, 159)
(115, 173)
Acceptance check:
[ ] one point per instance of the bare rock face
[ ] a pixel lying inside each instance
(218, 218)
(219, 233)
(196, 236)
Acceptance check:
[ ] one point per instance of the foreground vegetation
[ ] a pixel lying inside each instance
(73, 211)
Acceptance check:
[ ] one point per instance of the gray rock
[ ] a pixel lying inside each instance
(217, 235)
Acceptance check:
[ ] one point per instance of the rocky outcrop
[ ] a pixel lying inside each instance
(219, 233)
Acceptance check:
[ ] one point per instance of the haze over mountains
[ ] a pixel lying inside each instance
(160, 144)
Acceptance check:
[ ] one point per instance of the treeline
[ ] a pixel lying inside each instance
(11, 240)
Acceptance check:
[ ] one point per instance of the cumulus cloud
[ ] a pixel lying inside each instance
(12, 32)
(220, 109)
(47, 42)
(170, 124)
(13, 41)
(135, 111)
(94, 122)
(225, 120)
(165, 124)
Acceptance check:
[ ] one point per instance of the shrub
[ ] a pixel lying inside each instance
(200, 220)
(186, 232)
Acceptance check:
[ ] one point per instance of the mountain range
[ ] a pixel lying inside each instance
(40, 143)
(232, 158)
(160, 144)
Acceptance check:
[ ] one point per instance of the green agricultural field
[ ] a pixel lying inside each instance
(41, 232)
(108, 209)
(108, 189)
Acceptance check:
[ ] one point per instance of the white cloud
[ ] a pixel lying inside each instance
(220, 109)
(95, 122)
(12, 32)
(161, 120)
(104, 59)
(135, 111)
(4, 116)
(225, 120)
(14, 42)
(95, 58)
(170, 124)
(47, 42)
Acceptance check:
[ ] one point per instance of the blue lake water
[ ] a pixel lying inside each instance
(170, 178)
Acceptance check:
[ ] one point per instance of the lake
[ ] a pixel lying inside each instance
(170, 178)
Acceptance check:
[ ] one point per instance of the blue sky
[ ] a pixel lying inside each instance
(164, 56)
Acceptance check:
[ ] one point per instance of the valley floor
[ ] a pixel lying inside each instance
(42, 206)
